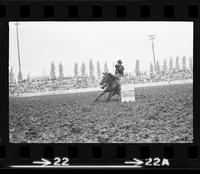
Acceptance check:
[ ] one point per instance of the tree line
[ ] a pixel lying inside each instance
(91, 69)
(178, 65)
(82, 70)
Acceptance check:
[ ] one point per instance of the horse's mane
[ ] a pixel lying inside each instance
(112, 76)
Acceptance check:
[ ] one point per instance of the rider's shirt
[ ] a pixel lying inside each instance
(119, 69)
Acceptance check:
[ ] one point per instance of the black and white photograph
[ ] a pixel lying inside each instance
(100, 82)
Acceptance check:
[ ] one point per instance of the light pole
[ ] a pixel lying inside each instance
(152, 38)
(18, 50)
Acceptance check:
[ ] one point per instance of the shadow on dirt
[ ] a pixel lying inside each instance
(108, 101)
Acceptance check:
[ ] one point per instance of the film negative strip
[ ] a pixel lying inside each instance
(99, 84)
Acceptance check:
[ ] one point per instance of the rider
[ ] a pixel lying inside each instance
(119, 71)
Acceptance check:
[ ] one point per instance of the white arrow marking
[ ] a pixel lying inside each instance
(135, 161)
(44, 162)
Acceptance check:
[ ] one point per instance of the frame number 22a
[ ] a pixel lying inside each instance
(156, 162)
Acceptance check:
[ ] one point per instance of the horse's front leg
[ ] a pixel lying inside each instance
(100, 96)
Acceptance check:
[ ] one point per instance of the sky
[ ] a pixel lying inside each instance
(41, 43)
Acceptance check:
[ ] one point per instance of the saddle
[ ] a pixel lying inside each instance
(116, 80)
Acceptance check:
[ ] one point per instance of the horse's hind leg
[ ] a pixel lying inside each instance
(110, 95)
(119, 93)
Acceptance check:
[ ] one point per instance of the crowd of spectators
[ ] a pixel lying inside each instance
(46, 84)
(145, 77)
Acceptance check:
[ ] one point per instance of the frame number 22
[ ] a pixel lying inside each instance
(61, 161)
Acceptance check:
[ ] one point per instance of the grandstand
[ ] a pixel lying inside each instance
(45, 83)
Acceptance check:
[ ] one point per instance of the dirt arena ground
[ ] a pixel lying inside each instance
(162, 114)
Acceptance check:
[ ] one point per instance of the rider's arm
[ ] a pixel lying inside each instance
(116, 69)
(122, 70)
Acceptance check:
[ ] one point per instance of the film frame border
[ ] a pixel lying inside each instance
(181, 155)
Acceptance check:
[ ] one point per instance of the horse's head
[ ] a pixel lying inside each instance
(105, 80)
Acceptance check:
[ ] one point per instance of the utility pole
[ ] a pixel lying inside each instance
(152, 38)
(20, 72)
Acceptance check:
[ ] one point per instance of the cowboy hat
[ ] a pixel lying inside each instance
(119, 61)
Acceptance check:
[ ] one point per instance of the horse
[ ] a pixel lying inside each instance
(110, 84)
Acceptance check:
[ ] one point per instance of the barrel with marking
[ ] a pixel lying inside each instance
(127, 92)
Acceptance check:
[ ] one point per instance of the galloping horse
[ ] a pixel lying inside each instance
(110, 84)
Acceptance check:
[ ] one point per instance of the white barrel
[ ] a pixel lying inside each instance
(127, 92)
